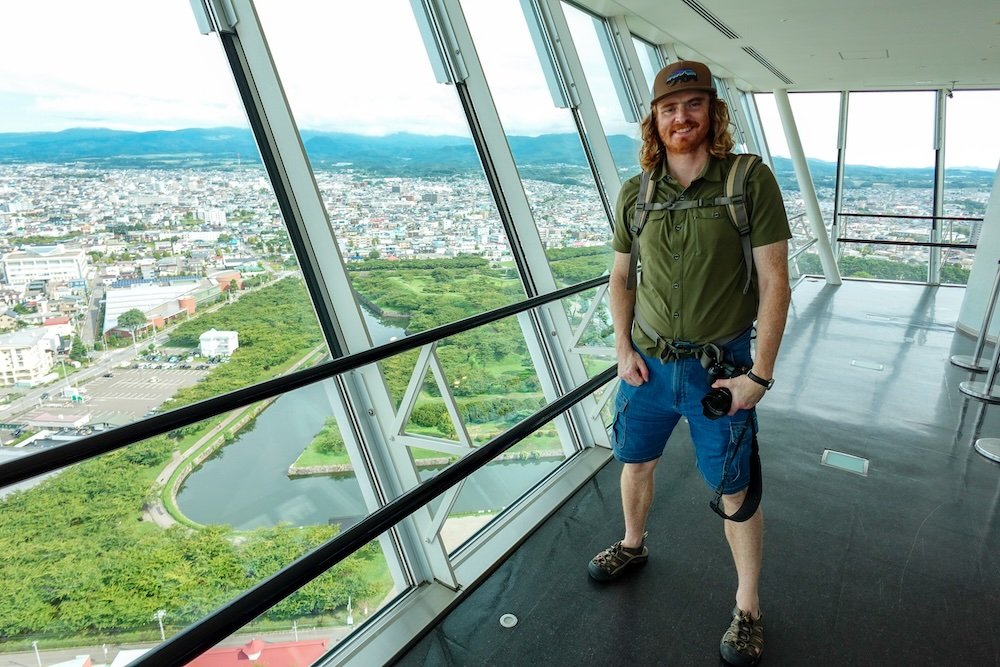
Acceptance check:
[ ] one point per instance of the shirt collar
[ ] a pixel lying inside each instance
(711, 172)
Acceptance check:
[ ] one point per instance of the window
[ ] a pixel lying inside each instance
(128, 166)
(649, 58)
(817, 120)
(889, 171)
(547, 148)
(607, 85)
(971, 150)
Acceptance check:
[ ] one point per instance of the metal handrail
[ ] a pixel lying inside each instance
(923, 244)
(909, 217)
(197, 638)
(49, 460)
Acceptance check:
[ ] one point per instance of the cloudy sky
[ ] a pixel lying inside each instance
(141, 65)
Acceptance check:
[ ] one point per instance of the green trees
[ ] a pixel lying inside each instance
(884, 269)
(132, 320)
(329, 441)
(77, 350)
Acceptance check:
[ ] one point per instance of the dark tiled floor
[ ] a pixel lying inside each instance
(901, 567)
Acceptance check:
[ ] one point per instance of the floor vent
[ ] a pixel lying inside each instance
(842, 461)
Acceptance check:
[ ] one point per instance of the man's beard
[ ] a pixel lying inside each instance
(688, 142)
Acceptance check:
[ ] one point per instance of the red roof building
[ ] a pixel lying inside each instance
(260, 652)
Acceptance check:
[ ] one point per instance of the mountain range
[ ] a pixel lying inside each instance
(394, 154)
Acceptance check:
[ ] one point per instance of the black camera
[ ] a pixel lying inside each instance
(717, 402)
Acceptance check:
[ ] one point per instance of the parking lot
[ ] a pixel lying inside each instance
(126, 392)
(130, 393)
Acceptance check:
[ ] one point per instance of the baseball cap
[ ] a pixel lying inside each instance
(682, 75)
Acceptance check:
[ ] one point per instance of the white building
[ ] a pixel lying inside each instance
(49, 262)
(214, 343)
(27, 356)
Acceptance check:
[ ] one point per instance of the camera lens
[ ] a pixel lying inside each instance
(716, 403)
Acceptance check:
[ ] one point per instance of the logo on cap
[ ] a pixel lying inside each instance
(682, 75)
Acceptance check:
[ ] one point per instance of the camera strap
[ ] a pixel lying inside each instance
(754, 489)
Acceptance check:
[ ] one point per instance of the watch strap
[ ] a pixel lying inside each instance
(766, 384)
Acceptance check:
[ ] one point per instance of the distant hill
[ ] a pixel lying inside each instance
(400, 154)
(394, 152)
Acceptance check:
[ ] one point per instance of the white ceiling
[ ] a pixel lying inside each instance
(833, 45)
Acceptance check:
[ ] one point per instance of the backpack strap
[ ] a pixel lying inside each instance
(735, 199)
(737, 203)
(642, 209)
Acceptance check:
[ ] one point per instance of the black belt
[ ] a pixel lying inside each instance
(679, 349)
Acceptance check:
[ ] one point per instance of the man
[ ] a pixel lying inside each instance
(693, 291)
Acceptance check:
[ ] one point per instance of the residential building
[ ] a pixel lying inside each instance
(48, 262)
(27, 356)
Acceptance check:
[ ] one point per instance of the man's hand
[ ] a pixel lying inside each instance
(746, 393)
(632, 367)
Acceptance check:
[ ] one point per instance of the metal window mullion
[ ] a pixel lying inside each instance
(555, 335)
(758, 140)
(737, 112)
(838, 196)
(593, 135)
(623, 63)
(312, 238)
(512, 202)
(668, 53)
(940, 125)
(355, 430)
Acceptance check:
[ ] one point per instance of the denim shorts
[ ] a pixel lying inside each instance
(646, 415)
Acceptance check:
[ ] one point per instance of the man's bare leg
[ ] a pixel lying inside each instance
(746, 541)
(637, 497)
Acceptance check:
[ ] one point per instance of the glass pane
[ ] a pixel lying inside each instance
(816, 117)
(889, 171)
(185, 522)
(590, 36)
(137, 220)
(589, 315)
(649, 58)
(396, 167)
(971, 150)
(303, 627)
(547, 148)
(489, 380)
(740, 145)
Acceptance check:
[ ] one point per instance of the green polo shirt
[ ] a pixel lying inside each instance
(693, 272)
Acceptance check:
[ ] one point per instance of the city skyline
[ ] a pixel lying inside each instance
(176, 78)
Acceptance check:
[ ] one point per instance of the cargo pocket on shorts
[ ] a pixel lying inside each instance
(618, 424)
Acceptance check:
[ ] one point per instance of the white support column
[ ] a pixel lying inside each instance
(838, 198)
(940, 115)
(979, 287)
(806, 188)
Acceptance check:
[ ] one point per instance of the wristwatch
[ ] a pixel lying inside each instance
(766, 384)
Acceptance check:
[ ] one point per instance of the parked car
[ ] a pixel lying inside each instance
(108, 375)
